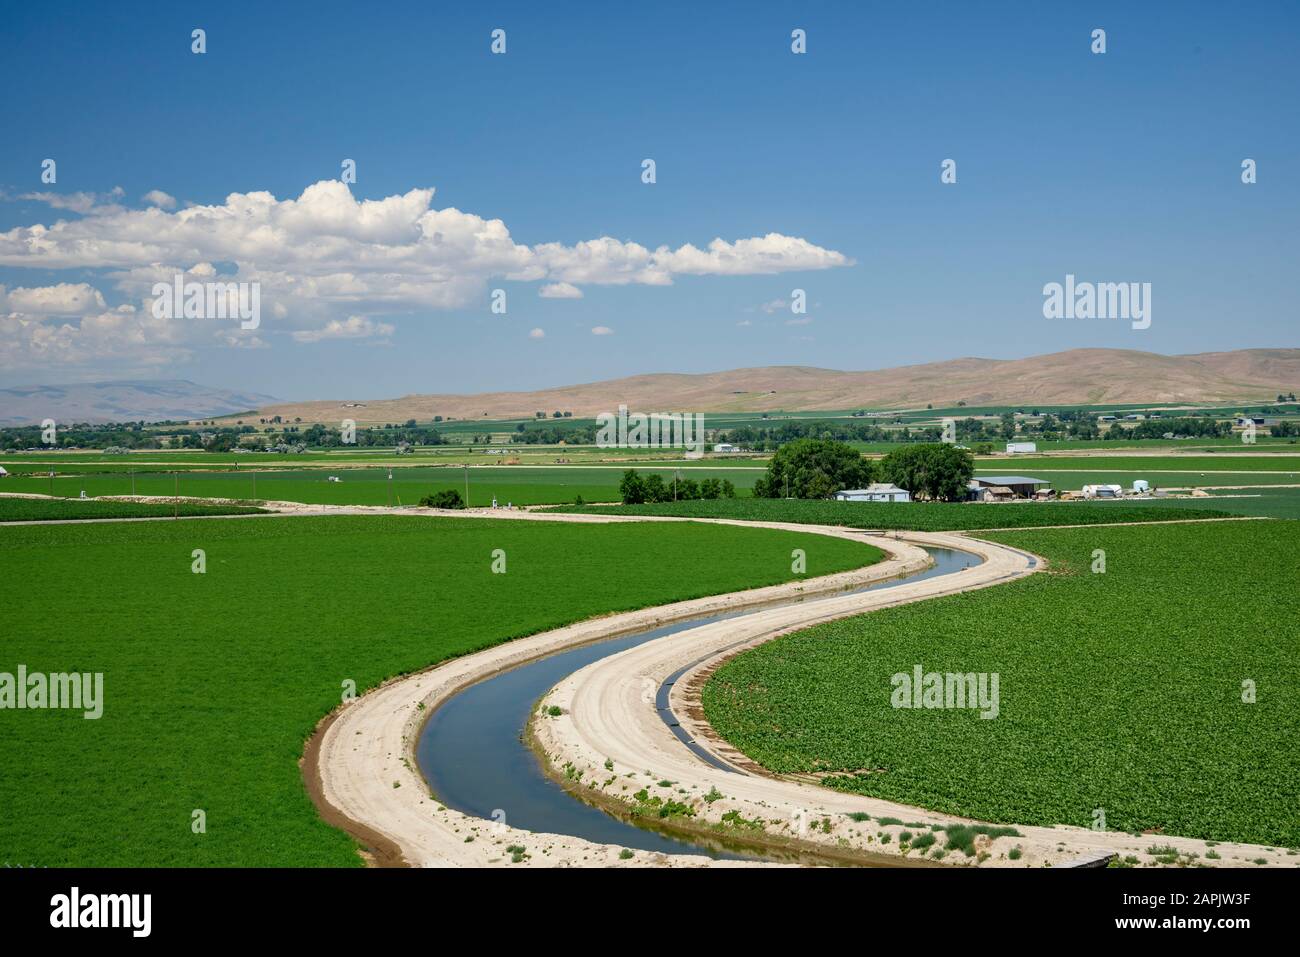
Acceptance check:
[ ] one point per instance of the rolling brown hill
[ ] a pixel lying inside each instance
(1079, 376)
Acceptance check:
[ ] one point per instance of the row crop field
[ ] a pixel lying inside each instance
(1025, 464)
(85, 463)
(1158, 694)
(1059, 478)
(1262, 503)
(63, 509)
(521, 485)
(918, 516)
(212, 682)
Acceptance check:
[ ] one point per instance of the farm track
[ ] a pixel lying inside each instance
(608, 729)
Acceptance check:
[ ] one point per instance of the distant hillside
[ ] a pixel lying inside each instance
(122, 402)
(1091, 376)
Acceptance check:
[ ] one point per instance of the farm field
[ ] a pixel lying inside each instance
(1119, 691)
(918, 516)
(522, 486)
(1065, 480)
(1266, 502)
(1238, 462)
(305, 478)
(44, 509)
(212, 682)
(421, 456)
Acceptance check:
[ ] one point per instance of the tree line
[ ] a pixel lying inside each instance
(638, 489)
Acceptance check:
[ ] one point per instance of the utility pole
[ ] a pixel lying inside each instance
(132, 482)
(467, 486)
(176, 500)
(255, 486)
(51, 483)
(390, 488)
(676, 472)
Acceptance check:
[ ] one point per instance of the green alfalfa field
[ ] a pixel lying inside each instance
(214, 681)
(1121, 691)
(14, 509)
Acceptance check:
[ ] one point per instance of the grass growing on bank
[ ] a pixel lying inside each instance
(919, 516)
(1120, 690)
(45, 509)
(212, 682)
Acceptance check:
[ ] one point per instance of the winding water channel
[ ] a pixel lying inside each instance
(473, 755)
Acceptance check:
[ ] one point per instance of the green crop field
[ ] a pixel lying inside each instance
(213, 682)
(1025, 464)
(521, 485)
(39, 464)
(1058, 477)
(1121, 691)
(1264, 502)
(918, 516)
(45, 509)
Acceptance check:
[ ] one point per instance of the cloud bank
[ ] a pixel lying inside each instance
(328, 264)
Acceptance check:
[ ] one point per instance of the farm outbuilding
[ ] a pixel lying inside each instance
(3, 472)
(875, 492)
(1019, 486)
(1103, 491)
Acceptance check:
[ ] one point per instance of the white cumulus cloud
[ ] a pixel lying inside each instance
(354, 327)
(64, 299)
(560, 290)
(156, 197)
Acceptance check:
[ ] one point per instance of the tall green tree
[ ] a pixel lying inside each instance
(632, 488)
(937, 471)
(813, 468)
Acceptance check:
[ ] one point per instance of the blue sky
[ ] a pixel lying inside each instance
(1117, 167)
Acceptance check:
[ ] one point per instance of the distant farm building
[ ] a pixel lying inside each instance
(997, 488)
(1141, 486)
(875, 492)
(1014, 447)
(3, 472)
(724, 447)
